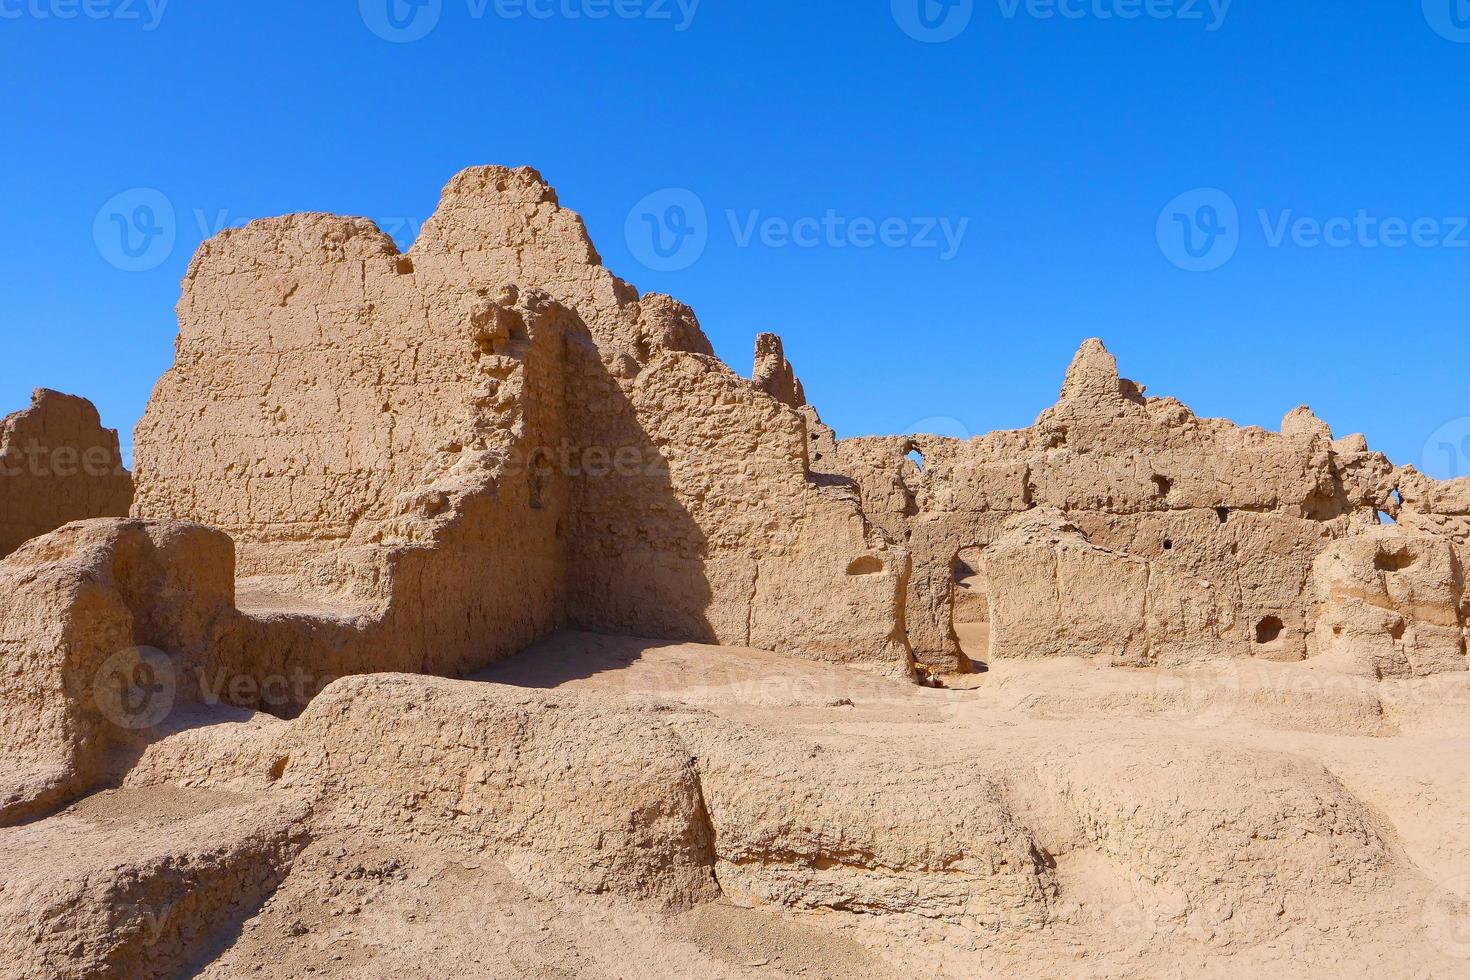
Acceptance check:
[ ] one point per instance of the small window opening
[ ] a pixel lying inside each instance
(1269, 630)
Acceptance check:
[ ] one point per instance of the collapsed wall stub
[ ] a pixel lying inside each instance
(57, 465)
(1170, 536)
(322, 377)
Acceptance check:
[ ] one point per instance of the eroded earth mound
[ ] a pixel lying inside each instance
(472, 618)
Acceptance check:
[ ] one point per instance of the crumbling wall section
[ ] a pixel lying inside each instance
(313, 382)
(1392, 603)
(1236, 514)
(322, 376)
(57, 465)
(87, 614)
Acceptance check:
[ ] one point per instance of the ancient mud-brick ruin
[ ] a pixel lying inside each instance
(57, 465)
(1129, 527)
(490, 458)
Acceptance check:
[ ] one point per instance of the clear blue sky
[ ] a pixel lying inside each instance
(1063, 141)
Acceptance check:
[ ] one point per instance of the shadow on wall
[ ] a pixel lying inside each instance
(970, 608)
(637, 558)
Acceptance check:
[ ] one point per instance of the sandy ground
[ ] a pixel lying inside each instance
(353, 907)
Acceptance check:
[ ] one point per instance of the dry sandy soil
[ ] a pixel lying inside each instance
(361, 905)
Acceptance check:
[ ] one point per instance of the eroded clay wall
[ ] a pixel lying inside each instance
(322, 376)
(696, 516)
(57, 465)
(1220, 524)
(314, 380)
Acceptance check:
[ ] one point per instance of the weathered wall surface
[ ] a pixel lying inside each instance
(57, 465)
(695, 515)
(321, 375)
(1216, 526)
(314, 381)
(1393, 601)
